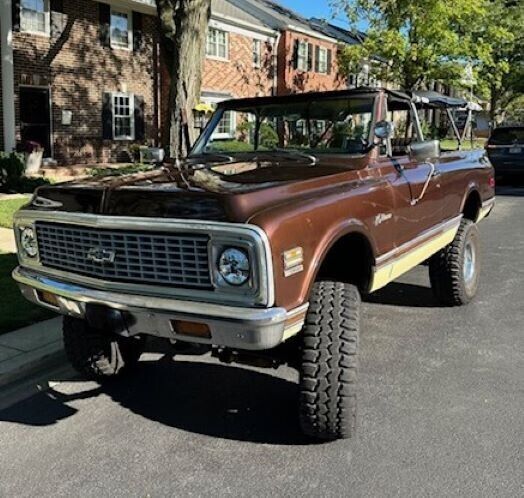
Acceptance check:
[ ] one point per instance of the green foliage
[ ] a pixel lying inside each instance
(268, 137)
(134, 150)
(12, 177)
(500, 52)
(232, 146)
(11, 167)
(124, 170)
(8, 207)
(423, 41)
(15, 310)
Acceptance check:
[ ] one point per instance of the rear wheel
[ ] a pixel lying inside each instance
(455, 270)
(96, 354)
(328, 370)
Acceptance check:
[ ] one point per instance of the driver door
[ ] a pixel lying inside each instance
(416, 187)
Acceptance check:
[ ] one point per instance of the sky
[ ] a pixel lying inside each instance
(317, 8)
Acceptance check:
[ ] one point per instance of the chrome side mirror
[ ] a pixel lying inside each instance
(383, 129)
(424, 151)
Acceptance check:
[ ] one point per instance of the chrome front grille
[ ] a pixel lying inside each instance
(175, 259)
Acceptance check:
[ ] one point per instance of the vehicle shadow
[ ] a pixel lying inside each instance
(199, 397)
(403, 294)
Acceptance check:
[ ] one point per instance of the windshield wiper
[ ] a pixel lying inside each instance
(295, 152)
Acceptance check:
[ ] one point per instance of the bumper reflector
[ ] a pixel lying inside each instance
(192, 329)
(48, 298)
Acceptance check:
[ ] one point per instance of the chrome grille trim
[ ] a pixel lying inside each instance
(144, 257)
(233, 233)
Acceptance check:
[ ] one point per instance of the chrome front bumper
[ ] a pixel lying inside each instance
(234, 327)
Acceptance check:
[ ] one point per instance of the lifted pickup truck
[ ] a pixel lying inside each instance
(262, 242)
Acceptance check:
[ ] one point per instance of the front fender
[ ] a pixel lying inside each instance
(315, 226)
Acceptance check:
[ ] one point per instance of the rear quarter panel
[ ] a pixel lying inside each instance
(462, 173)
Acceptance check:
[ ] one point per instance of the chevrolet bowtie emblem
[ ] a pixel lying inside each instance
(101, 256)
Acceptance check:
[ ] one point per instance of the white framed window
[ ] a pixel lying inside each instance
(322, 60)
(123, 116)
(257, 53)
(217, 45)
(34, 16)
(121, 30)
(226, 127)
(302, 56)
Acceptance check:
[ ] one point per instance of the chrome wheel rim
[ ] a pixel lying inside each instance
(470, 260)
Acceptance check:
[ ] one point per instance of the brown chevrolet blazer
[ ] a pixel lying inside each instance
(261, 243)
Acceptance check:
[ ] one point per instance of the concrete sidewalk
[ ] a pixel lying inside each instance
(7, 240)
(25, 351)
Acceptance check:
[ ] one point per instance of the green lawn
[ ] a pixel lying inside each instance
(15, 311)
(8, 207)
(450, 144)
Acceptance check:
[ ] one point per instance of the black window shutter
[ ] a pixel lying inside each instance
(140, 131)
(58, 18)
(104, 13)
(107, 117)
(137, 31)
(317, 59)
(329, 60)
(295, 54)
(15, 6)
(309, 56)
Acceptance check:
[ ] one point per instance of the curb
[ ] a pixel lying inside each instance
(30, 349)
(26, 365)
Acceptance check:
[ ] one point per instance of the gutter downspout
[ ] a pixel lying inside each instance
(8, 75)
(276, 44)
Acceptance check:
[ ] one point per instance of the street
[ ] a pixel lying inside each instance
(441, 408)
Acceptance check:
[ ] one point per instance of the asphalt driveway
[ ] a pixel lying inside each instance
(441, 408)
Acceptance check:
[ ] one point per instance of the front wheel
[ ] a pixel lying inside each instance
(328, 370)
(455, 270)
(98, 355)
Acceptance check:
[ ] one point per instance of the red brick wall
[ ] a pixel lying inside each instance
(237, 75)
(79, 69)
(291, 80)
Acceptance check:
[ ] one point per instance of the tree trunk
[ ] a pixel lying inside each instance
(183, 25)
(493, 105)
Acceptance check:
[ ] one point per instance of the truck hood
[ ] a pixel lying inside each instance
(232, 191)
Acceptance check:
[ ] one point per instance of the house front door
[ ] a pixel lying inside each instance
(35, 117)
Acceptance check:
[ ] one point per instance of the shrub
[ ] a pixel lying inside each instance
(231, 146)
(268, 137)
(124, 170)
(12, 179)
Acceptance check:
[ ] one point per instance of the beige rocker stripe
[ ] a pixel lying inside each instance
(389, 266)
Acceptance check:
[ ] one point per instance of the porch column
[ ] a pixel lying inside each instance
(8, 74)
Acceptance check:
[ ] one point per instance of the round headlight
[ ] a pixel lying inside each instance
(28, 242)
(233, 265)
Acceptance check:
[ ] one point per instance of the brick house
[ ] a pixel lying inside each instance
(85, 78)
(307, 55)
(240, 61)
(79, 77)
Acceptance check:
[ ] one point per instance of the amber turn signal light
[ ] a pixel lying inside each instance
(48, 298)
(192, 329)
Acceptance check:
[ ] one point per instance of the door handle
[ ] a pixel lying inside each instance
(437, 173)
(426, 184)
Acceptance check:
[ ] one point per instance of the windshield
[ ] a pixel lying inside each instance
(334, 126)
(503, 136)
